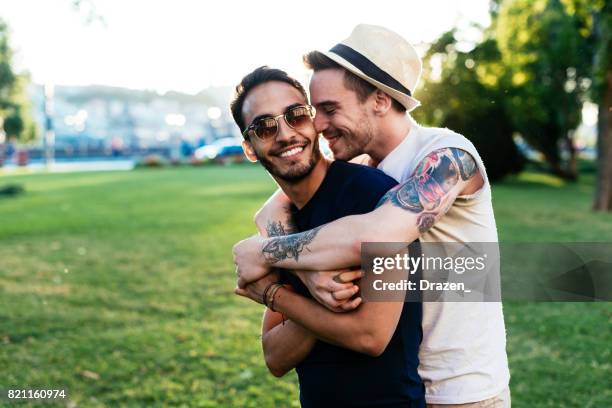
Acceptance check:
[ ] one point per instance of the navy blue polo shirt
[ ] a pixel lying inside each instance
(335, 376)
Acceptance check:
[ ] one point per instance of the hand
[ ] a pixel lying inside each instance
(255, 290)
(334, 289)
(250, 263)
(364, 160)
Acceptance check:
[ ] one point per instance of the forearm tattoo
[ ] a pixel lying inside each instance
(425, 191)
(288, 246)
(278, 228)
(275, 229)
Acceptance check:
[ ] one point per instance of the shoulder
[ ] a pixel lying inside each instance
(361, 187)
(433, 140)
(364, 178)
(439, 138)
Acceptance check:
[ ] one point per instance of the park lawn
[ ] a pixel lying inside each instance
(117, 286)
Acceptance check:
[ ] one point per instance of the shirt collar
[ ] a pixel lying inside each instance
(395, 161)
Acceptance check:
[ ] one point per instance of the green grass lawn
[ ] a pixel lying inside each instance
(117, 287)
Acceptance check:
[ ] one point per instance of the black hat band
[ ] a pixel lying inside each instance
(369, 68)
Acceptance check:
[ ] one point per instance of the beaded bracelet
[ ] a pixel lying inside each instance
(264, 297)
(273, 291)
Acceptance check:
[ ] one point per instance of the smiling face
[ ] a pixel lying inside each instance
(292, 153)
(342, 119)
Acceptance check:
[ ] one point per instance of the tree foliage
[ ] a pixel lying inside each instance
(15, 108)
(465, 91)
(529, 75)
(547, 50)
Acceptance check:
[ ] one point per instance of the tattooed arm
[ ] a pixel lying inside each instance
(333, 289)
(367, 329)
(274, 216)
(284, 343)
(274, 210)
(403, 214)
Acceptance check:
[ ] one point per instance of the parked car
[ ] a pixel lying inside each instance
(225, 150)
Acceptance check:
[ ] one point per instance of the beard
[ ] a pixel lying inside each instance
(296, 172)
(351, 143)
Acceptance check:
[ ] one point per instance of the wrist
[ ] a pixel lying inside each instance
(274, 294)
(266, 291)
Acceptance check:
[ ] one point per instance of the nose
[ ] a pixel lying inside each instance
(320, 123)
(285, 132)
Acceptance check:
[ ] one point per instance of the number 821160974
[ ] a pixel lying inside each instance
(25, 394)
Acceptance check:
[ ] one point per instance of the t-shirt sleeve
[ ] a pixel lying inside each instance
(368, 187)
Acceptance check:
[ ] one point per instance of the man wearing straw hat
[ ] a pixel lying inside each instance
(362, 90)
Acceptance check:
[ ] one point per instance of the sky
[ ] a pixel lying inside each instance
(187, 46)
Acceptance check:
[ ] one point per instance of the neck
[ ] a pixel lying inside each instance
(391, 132)
(300, 192)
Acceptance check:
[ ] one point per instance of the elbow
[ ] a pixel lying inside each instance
(259, 220)
(275, 369)
(273, 363)
(373, 345)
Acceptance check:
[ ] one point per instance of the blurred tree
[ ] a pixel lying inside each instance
(547, 51)
(600, 12)
(466, 91)
(536, 65)
(15, 117)
(594, 21)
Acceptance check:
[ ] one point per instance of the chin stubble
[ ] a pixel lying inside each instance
(293, 175)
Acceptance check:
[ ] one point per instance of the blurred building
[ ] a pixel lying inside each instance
(103, 121)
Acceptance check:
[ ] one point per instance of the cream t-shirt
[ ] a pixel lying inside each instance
(463, 352)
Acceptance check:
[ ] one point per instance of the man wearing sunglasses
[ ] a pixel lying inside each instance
(368, 355)
(362, 90)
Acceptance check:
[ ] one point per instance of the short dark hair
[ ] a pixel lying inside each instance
(318, 61)
(259, 76)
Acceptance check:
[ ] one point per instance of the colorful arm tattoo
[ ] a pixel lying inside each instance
(426, 191)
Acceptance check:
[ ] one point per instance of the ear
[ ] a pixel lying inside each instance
(248, 151)
(382, 102)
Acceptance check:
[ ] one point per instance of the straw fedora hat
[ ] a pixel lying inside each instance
(383, 58)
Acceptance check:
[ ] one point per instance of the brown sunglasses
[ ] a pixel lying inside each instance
(266, 128)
